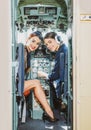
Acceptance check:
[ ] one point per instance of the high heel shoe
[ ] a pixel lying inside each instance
(48, 118)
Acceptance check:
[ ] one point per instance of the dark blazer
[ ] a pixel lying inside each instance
(61, 64)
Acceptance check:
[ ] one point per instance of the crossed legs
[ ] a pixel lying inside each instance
(39, 94)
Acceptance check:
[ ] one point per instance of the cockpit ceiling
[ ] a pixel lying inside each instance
(60, 3)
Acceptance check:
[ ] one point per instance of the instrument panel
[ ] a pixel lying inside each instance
(40, 16)
(40, 62)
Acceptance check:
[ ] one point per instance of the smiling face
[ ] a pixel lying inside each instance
(33, 43)
(51, 44)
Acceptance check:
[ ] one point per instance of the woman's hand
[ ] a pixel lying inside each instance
(42, 74)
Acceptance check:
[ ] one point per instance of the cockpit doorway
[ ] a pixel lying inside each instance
(30, 16)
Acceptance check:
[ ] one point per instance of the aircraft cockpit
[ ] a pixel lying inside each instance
(44, 17)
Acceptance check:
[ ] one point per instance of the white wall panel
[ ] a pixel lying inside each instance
(5, 66)
(82, 64)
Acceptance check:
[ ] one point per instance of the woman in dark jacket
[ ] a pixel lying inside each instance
(59, 73)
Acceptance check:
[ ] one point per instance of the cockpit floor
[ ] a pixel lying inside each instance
(41, 125)
(38, 124)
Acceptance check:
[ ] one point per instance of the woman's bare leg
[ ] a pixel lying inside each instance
(39, 94)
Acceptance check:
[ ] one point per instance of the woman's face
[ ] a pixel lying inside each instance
(51, 44)
(33, 43)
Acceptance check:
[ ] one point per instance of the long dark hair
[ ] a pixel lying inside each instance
(50, 35)
(54, 35)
